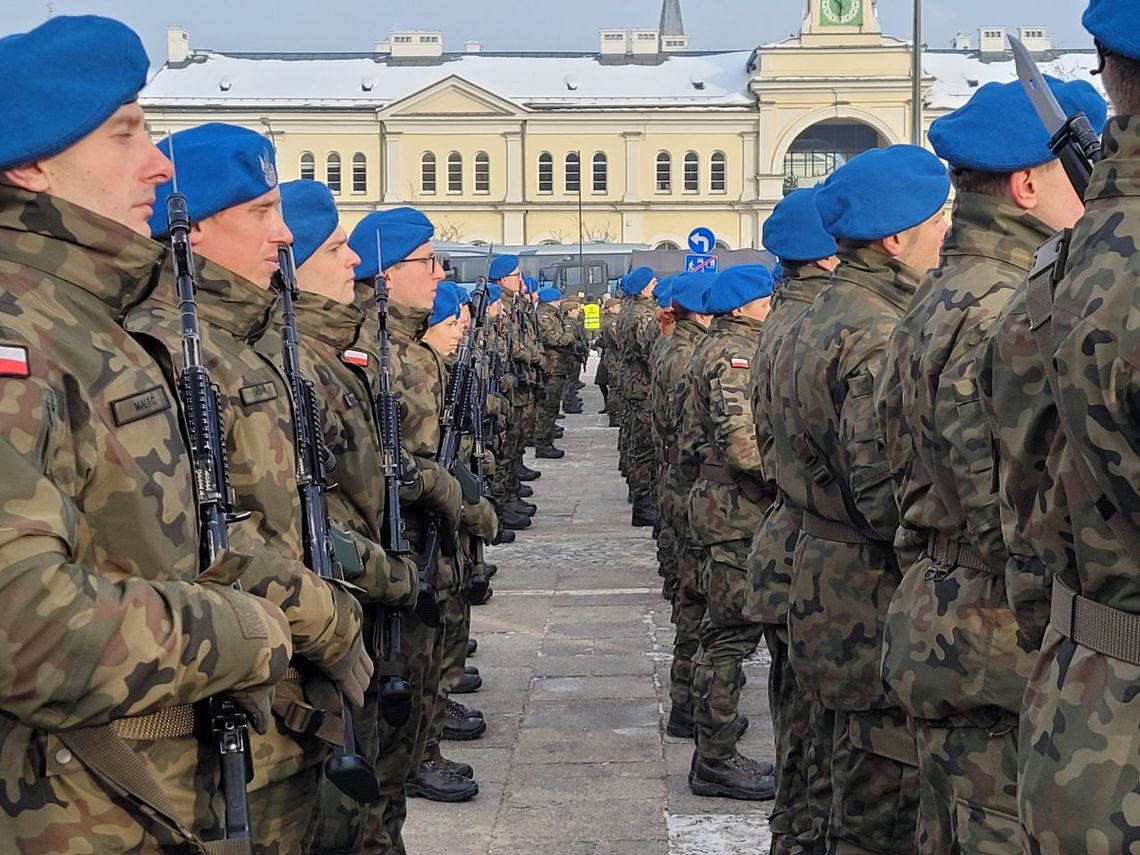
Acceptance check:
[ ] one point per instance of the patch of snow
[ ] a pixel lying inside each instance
(719, 834)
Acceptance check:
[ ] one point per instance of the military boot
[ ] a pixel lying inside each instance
(522, 507)
(463, 770)
(434, 780)
(468, 683)
(490, 569)
(559, 432)
(472, 646)
(460, 727)
(549, 452)
(644, 515)
(525, 491)
(525, 473)
(482, 596)
(512, 520)
(505, 535)
(738, 778)
(574, 408)
(463, 711)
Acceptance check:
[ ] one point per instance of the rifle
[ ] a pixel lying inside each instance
(457, 407)
(346, 769)
(394, 686)
(477, 567)
(1074, 142)
(202, 410)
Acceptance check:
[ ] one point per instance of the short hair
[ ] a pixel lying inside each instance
(1122, 82)
(979, 181)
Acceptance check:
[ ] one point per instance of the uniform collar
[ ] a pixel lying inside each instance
(801, 284)
(986, 227)
(735, 324)
(98, 255)
(871, 268)
(327, 320)
(227, 301)
(1118, 172)
(688, 329)
(407, 322)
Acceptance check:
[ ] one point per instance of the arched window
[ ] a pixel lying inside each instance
(359, 173)
(824, 147)
(308, 166)
(573, 173)
(718, 172)
(427, 174)
(722, 245)
(545, 173)
(667, 244)
(455, 172)
(601, 178)
(332, 171)
(482, 173)
(692, 171)
(664, 172)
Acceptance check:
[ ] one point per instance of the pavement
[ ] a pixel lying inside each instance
(574, 649)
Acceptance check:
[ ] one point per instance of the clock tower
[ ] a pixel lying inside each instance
(850, 22)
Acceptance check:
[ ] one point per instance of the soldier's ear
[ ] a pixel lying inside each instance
(30, 177)
(197, 234)
(1024, 190)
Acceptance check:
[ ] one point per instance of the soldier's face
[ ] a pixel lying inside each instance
(757, 310)
(512, 283)
(330, 270)
(444, 337)
(918, 248)
(413, 281)
(1052, 197)
(244, 239)
(112, 171)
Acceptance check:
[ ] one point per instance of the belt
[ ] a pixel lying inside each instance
(1090, 624)
(718, 473)
(952, 553)
(170, 723)
(832, 530)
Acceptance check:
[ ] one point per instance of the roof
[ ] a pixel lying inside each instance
(375, 81)
(958, 75)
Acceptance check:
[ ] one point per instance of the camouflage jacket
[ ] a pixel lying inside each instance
(257, 424)
(673, 357)
(611, 353)
(99, 541)
(939, 450)
(326, 333)
(770, 562)
(523, 348)
(660, 389)
(557, 340)
(635, 333)
(717, 429)
(845, 568)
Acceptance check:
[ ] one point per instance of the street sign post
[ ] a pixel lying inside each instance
(700, 263)
(702, 241)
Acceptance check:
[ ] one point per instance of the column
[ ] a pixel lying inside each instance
(632, 165)
(392, 177)
(514, 167)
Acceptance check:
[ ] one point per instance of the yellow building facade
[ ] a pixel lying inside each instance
(637, 143)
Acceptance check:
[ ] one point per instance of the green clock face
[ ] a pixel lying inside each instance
(845, 13)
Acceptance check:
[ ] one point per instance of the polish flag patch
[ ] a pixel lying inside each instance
(13, 361)
(738, 362)
(356, 357)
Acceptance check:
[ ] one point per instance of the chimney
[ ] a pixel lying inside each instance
(644, 42)
(1036, 40)
(177, 45)
(383, 47)
(614, 42)
(672, 44)
(417, 44)
(473, 47)
(991, 42)
(962, 42)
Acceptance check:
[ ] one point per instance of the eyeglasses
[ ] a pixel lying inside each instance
(431, 259)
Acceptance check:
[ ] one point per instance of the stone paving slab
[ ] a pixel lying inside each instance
(575, 649)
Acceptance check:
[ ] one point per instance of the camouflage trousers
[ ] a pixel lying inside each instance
(640, 456)
(514, 446)
(572, 386)
(672, 515)
(967, 780)
(790, 820)
(457, 626)
(547, 416)
(688, 612)
(874, 777)
(727, 639)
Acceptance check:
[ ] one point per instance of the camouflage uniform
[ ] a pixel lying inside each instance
(1080, 727)
(611, 361)
(953, 596)
(341, 382)
(672, 507)
(636, 331)
(803, 765)
(557, 339)
(580, 353)
(257, 424)
(845, 568)
(519, 346)
(98, 534)
(718, 452)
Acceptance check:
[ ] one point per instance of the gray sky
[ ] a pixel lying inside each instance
(354, 25)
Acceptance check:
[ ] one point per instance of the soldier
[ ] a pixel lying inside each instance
(229, 179)
(1080, 727)
(718, 453)
(558, 341)
(845, 568)
(635, 334)
(798, 820)
(328, 326)
(98, 532)
(419, 377)
(608, 365)
(1012, 195)
(571, 400)
(660, 390)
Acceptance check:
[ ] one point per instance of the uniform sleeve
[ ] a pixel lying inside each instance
(553, 332)
(690, 435)
(730, 402)
(79, 649)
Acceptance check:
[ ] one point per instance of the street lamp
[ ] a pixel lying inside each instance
(916, 78)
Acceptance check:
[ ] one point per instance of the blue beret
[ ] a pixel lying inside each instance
(1115, 24)
(448, 298)
(218, 166)
(736, 287)
(882, 192)
(795, 231)
(637, 279)
(998, 129)
(401, 231)
(63, 80)
(663, 293)
(549, 295)
(502, 265)
(310, 213)
(689, 290)
(494, 293)
(532, 286)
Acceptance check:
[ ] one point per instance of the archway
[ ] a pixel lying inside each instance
(820, 149)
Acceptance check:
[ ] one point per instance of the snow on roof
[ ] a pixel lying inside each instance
(958, 75)
(540, 81)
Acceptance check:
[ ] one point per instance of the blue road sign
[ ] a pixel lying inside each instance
(700, 263)
(702, 240)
